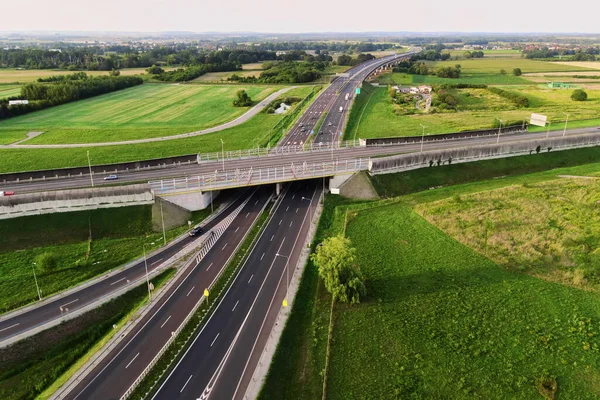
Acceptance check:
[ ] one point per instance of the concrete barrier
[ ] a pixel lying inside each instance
(410, 161)
(74, 200)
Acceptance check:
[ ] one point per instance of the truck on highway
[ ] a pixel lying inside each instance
(341, 109)
(347, 96)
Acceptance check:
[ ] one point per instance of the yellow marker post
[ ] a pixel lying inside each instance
(206, 295)
(285, 303)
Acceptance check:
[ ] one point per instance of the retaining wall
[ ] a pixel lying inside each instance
(74, 200)
(407, 162)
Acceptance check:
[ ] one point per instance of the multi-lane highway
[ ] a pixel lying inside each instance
(116, 373)
(22, 322)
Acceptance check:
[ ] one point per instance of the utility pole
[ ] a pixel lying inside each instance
(566, 122)
(90, 167)
(422, 136)
(499, 130)
(36, 282)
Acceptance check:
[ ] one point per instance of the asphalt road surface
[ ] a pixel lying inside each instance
(215, 363)
(112, 377)
(51, 311)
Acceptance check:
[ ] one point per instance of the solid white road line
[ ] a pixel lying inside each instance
(122, 279)
(207, 268)
(127, 366)
(186, 382)
(157, 261)
(12, 326)
(190, 291)
(236, 303)
(215, 339)
(251, 276)
(165, 321)
(68, 303)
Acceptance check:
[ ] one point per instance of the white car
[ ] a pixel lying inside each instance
(111, 177)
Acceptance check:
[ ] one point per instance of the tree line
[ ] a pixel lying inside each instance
(285, 72)
(44, 95)
(345, 59)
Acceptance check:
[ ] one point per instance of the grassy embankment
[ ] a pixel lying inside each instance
(37, 366)
(247, 135)
(117, 236)
(453, 301)
(145, 111)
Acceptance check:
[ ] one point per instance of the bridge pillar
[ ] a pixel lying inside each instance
(278, 189)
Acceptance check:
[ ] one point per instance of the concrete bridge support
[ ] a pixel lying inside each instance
(192, 201)
(278, 187)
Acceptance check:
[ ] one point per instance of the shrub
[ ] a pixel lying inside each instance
(579, 95)
(517, 72)
(517, 99)
(47, 262)
(243, 100)
(155, 70)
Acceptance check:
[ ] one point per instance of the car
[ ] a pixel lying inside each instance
(6, 193)
(196, 231)
(303, 130)
(329, 124)
(111, 177)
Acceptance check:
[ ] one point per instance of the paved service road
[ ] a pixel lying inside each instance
(226, 342)
(37, 316)
(116, 373)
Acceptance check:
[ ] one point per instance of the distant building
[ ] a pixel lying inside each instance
(425, 89)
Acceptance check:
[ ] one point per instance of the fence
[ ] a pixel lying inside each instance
(257, 176)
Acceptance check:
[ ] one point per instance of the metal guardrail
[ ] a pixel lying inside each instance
(257, 176)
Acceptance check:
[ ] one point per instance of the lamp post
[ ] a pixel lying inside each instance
(422, 136)
(223, 150)
(36, 282)
(287, 272)
(146, 265)
(90, 167)
(566, 122)
(499, 130)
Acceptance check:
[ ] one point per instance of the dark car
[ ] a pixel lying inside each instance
(196, 231)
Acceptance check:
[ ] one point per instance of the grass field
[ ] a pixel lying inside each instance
(247, 135)
(477, 110)
(10, 75)
(149, 110)
(31, 366)
(547, 229)
(583, 64)
(117, 238)
(9, 91)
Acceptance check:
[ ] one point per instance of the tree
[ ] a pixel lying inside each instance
(114, 72)
(155, 70)
(243, 100)
(579, 95)
(392, 92)
(517, 72)
(46, 262)
(503, 71)
(335, 261)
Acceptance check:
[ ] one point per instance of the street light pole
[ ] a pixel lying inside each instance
(223, 150)
(499, 130)
(90, 167)
(36, 282)
(422, 136)
(146, 265)
(566, 122)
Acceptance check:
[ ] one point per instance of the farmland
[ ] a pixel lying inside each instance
(248, 70)
(11, 75)
(9, 91)
(150, 110)
(247, 135)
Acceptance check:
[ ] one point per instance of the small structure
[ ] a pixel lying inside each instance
(17, 102)
(559, 85)
(425, 89)
(282, 108)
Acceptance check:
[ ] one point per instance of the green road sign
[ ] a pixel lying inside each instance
(357, 90)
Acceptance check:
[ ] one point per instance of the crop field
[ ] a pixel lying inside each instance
(247, 135)
(442, 321)
(548, 229)
(9, 91)
(117, 238)
(583, 64)
(145, 111)
(11, 75)
(477, 109)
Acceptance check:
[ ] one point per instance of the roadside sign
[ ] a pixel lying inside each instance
(341, 133)
(357, 90)
(538, 119)
(285, 303)
(205, 292)
(312, 131)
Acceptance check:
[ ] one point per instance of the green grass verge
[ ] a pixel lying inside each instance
(177, 348)
(36, 366)
(358, 109)
(9, 91)
(247, 135)
(145, 111)
(117, 238)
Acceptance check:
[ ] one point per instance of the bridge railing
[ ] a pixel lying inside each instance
(257, 176)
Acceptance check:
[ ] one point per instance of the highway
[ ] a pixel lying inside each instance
(111, 378)
(51, 311)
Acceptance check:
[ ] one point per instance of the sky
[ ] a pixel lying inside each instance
(302, 16)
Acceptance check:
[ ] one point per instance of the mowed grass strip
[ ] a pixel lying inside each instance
(442, 321)
(145, 111)
(9, 91)
(244, 136)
